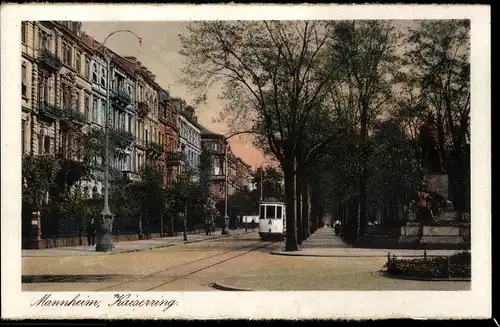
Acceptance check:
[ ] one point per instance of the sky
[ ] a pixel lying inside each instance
(160, 53)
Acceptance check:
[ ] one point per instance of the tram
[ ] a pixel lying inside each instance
(272, 220)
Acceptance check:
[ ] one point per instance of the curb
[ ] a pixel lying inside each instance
(144, 249)
(423, 279)
(330, 255)
(223, 287)
(376, 255)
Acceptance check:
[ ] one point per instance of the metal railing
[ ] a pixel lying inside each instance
(49, 58)
(121, 94)
(50, 110)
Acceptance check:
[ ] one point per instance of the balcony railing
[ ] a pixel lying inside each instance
(143, 108)
(140, 143)
(49, 110)
(175, 158)
(76, 115)
(121, 97)
(155, 147)
(49, 59)
(131, 176)
(121, 138)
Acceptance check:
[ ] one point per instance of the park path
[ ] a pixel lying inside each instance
(324, 238)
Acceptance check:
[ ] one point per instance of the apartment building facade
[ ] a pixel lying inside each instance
(56, 92)
(123, 113)
(216, 145)
(147, 136)
(173, 157)
(189, 133)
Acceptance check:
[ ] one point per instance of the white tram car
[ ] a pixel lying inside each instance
(272, 220)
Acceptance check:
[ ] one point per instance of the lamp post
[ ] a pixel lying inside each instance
(225, 229)
(104, 242)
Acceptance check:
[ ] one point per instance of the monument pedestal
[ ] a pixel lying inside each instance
(441, 235)
(410, 233)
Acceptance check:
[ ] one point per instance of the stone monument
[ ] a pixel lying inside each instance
(432, 218)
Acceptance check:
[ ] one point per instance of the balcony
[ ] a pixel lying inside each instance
(141, 144)
(49, 111)
(74, 116)
(121, 139)
(120, 97)
(131, 176)
(143, 109)
(175, 158)
(154, 149)
(49, 60)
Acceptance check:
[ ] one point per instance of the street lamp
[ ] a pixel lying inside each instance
(104, 243)
(225, 229)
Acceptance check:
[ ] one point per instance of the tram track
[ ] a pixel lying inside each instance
(253, 247)
(209, 266)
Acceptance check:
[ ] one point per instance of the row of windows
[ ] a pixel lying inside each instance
(190, 134)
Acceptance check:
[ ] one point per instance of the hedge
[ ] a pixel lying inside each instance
(443, 267)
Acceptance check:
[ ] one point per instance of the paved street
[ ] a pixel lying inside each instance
(240, 262)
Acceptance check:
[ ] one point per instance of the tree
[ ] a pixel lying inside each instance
(205, 172)
(274, 75)
(38, 179)
(438, 58)
(365, 50)
(184, 194)
(269, 181)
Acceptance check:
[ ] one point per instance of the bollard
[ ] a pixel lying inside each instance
(425, 255)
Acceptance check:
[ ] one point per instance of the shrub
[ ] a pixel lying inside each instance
(454, 266)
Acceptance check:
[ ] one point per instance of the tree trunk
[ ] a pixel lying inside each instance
(291, 226)
(298, 208)
(140, 225)
(364, 167)
(161, 225)
(305, 208)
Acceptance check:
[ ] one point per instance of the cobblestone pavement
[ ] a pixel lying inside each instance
(235, 262)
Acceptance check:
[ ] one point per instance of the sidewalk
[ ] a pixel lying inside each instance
(324, 238)
(130, 246)
(324, 243)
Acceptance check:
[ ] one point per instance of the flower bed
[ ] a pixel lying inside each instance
(444, 267)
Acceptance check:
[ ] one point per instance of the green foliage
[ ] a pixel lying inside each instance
(454, 266)
(39, 174)
(271, 182)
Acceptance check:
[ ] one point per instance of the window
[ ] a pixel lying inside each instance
(87, 104)
(24, 88)
(77, 100)
(78, 62)
(43, 41)
(129, 124)
(23, 136)
(23, 32)
(43, 89)
(103, 112)
(66, 97)
(278, 212)
(103, 77)
(94, 73)
(87, 68)
(94, 110)
(270, 212)
(67, 54)
(262, 212)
